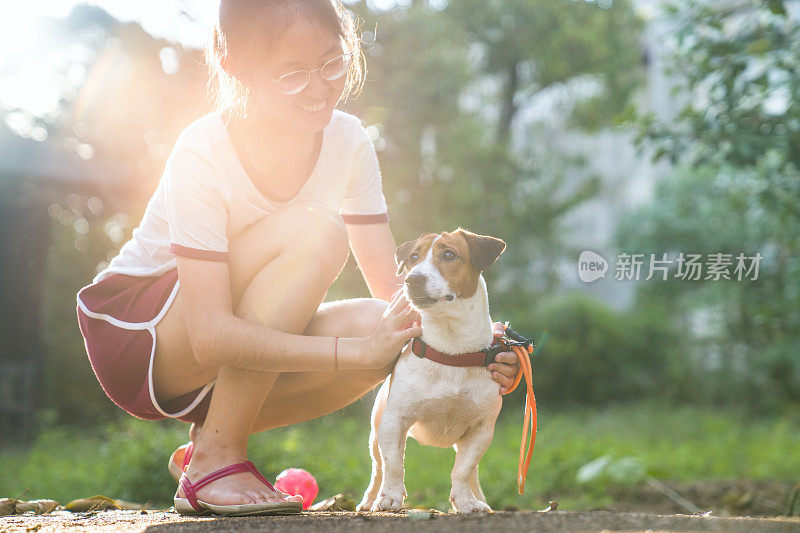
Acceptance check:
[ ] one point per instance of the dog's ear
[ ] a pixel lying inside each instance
(483, 249)
(401, 255)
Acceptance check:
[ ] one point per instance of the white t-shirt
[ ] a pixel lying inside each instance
(205, 197)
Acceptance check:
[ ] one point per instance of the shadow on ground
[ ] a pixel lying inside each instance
(162, 522)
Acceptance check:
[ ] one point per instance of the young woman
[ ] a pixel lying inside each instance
(220, 288)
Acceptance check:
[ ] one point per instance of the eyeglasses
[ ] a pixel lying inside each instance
(297, 80)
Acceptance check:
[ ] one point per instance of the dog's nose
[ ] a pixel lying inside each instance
(416, 281)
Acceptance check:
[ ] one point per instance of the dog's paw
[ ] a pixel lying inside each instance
(470, 505)
(388, 502)
(365, 504)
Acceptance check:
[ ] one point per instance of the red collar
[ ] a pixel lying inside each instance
(481, 358)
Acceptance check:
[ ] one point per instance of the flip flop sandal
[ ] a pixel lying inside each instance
(190, 505)
(179, 459)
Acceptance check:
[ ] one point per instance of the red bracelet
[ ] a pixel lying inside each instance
(335, 353)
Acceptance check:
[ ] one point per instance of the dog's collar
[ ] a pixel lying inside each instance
(482, 358)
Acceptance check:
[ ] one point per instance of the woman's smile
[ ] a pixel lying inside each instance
(315, 108)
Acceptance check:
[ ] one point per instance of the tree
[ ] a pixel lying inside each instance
(532, 46)
(737, 62)
(446, 163)
(736, 189)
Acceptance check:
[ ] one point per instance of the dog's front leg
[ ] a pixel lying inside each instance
(392, 434)
(469, 451)
(377, 469)
(475, 485)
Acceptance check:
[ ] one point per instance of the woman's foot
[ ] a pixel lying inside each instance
(236, 489)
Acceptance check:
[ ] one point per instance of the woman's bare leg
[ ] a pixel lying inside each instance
(280, 270)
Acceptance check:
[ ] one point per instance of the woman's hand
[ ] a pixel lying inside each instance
(504, 369)
(399, 324)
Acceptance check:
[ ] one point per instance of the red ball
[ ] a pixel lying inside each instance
(297, 481)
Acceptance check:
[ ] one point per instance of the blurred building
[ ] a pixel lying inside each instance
(628, 178)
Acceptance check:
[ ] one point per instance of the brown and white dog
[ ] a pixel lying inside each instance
(436, 404)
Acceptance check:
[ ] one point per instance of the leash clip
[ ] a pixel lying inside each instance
(510, 338)
(505, 346)
(491, 352)
(518, 339)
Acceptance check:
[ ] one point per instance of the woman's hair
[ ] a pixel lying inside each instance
(246, 32)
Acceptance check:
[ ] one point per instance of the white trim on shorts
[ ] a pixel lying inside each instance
(150, 326)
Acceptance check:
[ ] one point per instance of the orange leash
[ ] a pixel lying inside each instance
(525, 456)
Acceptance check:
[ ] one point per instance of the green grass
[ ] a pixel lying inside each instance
(127, 460)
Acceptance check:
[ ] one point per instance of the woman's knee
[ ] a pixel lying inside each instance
(317, 213)
(307, 227)
(357, 317)
(306, 220)
(368, 313)
(322, 235)
(308, 231)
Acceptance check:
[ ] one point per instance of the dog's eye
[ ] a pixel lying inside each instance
(448, 255)
(413, 257)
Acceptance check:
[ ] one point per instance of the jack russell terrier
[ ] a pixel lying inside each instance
(438, 404)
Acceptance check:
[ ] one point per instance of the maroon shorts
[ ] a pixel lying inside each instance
(118, 317)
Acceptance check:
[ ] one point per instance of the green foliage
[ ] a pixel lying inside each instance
(736, 189)
(594, 355)
(81, 233)
(446, 117)
(738, 64)
(128, 459)
(531, 46)
(125, 460)
(749, 353)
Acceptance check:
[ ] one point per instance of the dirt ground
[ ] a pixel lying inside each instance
(740, 497)
(735, 506)
(420, 522)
